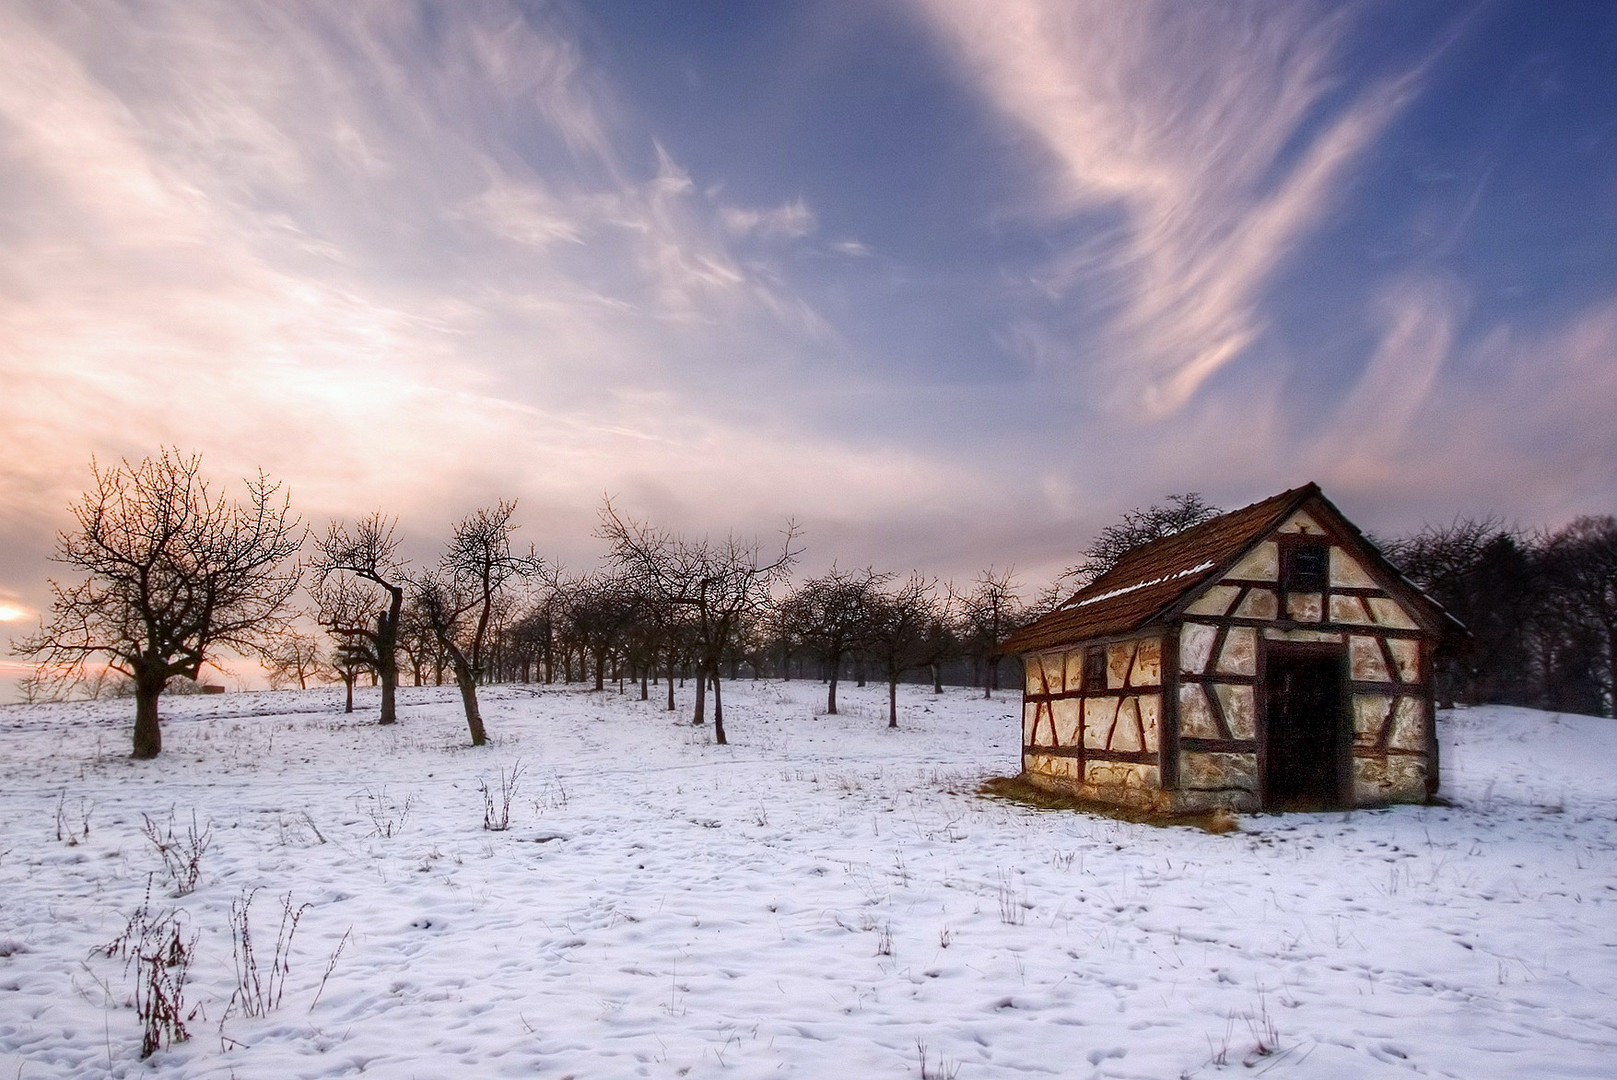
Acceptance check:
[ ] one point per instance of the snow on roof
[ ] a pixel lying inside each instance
(1199, 568)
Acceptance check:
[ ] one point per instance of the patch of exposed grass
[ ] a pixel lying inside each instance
(1017, 789)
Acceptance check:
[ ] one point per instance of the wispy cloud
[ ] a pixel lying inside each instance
(525, 214)
(1441, 425)
(1374, 427)
(399, 264)
(789, 220)
(1200, 140)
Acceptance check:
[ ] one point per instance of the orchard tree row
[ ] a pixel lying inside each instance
(175, 576)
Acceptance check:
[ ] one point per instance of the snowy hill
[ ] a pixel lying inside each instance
(823, 898)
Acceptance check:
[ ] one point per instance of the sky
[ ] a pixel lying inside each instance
(950, 283)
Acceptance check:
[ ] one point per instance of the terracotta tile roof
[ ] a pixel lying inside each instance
(1150, 579)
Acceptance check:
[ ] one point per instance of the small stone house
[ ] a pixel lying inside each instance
(1267, 659)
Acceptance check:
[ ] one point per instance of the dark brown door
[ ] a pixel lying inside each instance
(1306, 730)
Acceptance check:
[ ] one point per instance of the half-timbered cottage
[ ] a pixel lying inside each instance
(1268, 658)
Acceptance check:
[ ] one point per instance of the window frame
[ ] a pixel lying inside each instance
(1291, 581)
(1094, 667)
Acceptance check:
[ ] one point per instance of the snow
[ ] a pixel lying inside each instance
(817, 899)
(1199, 568)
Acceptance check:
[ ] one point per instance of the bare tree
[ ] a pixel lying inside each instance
(457, 602)
(896, 636)
(482, 563)
(1139, 527)
(1582, 565)
(35, 688)
(752, 643)
(781, 635)
(528, 641)
(721, 584)
(344, 607)
(1488, 576)
(600, 612)
(420, 646)
(366, 553)
(348, 661)
(294, 659)
(444, 609)
(941, 641)
(831, 615)
(174, 572)
(991, 611)
(666, 629)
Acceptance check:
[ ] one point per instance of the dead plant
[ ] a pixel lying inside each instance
(497, 808)
(73, 830)
(154, 945)
(181, 854)
(943, 1069)
(258, 991)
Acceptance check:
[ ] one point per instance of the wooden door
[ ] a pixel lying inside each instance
(1306, 731)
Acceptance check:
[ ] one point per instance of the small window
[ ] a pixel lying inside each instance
(1303, 567)
(1095, 668)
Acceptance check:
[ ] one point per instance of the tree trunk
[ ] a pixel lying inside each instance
(718, 708)
(831, 693)
(671, 663)
(387, 653)
(348, 684)
(474, 719)
(892, 701)
(390, 684)
(645, 683)
(700, 715)
(466, 679)
(600, 669)
(148, 735)
(859, 669)
(937, 678)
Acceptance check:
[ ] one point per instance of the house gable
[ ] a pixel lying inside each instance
(1361, 586)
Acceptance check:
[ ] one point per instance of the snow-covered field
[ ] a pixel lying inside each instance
(821, 898)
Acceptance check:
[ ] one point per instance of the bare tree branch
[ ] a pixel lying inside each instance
(358, 617)
(721, 584)
(174, 573)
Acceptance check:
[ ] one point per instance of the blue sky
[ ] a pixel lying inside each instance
(953, 283)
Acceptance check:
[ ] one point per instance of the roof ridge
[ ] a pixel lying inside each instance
(1190, 535)
(1149, 580)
